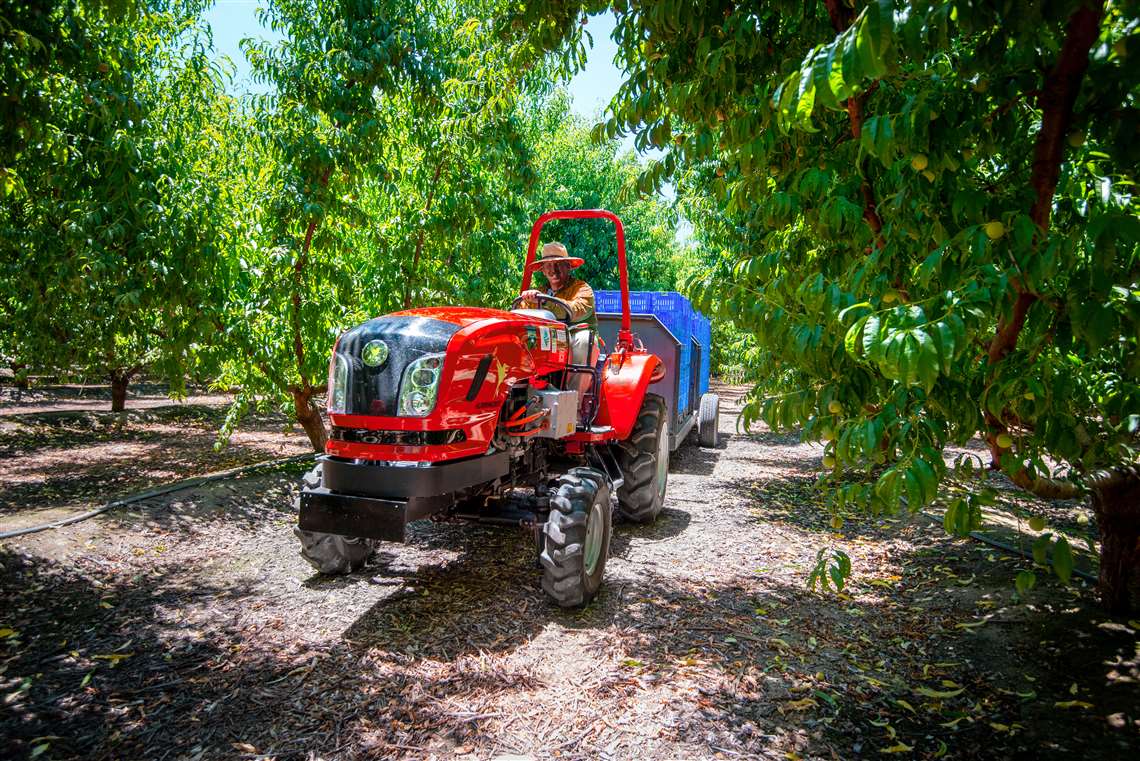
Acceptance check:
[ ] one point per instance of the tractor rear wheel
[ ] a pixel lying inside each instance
(644, 461)
(331, 554)
(576, 537)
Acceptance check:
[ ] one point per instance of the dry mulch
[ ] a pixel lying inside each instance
(187, 627)
(58, 459)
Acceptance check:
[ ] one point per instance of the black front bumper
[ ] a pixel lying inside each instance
(377, 501)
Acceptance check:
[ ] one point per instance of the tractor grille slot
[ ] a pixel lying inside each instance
(402, 438)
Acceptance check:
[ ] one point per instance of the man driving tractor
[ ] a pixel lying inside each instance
(555, 264)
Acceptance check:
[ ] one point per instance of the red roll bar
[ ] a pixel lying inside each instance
(625, 334)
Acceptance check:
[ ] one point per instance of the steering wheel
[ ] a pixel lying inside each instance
(553, 301)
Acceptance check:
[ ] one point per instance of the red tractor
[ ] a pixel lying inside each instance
(505, 417)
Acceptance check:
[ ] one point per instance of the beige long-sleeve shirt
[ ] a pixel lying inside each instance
(580, 296)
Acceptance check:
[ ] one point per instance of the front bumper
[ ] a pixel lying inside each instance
(377, 501)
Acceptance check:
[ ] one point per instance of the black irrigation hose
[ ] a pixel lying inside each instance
(1009, 547)
(167, 489)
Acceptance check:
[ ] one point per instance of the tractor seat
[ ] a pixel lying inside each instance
(583, 345)
(544, 314)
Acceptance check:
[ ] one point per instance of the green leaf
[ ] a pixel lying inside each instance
(872, 340)
(852, 339)
(1063, 560)
(928, 360)
(944, 342)
(1024, 582)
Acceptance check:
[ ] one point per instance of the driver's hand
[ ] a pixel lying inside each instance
(530, 295)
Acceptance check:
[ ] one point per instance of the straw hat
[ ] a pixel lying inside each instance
(556, 252)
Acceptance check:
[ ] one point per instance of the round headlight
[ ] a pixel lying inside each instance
(423, 377)
(374, 353)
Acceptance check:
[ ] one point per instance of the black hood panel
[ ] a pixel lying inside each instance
(375, 390)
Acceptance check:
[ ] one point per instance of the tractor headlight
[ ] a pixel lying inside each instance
(338, 383)
(419, 386)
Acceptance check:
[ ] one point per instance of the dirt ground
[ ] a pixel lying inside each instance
(187, 627)
(62, 452)
(95, 398)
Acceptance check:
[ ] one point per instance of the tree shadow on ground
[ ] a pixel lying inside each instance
(762, 667)
(784, 465)
(671, 522)
(755, 666)
(199, 509)
(140, 458)
(109, 667)
(796, 501)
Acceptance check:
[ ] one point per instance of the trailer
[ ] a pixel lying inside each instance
(668, 326)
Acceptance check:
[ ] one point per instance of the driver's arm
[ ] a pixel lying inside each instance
(580, 297)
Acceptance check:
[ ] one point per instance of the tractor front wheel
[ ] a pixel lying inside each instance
(331, 554)
(576, 537)
(644, 461)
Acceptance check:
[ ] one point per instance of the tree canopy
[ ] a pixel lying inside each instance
(926, 215)
(110, 248)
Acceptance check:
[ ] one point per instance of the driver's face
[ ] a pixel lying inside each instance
(557, 274)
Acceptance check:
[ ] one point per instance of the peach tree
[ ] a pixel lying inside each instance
(926, 215)
(110, 188)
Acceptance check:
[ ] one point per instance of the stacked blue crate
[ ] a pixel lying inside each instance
(702, 330)
(678, 316)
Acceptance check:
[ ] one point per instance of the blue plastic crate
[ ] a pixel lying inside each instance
(702, 331)
(678, 316)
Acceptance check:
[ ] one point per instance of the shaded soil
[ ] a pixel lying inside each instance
(188, 627)
(94, 398)
(57, 460)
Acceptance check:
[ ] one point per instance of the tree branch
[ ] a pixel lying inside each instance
(298, 273)
(1059, 93)
(841, 18)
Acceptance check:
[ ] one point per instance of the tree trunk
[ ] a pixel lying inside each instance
(310, 418)
(119, 382)
(20, 375)
(1116, 500)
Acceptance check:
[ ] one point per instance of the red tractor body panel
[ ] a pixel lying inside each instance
(520, 348)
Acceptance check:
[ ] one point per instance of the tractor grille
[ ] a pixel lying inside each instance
(403, 438)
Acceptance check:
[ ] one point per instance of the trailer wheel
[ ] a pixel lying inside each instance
(708, 421)
(644, 461)
(576, 537)
(331, 554)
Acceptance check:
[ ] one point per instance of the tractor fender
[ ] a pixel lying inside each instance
(625, 379)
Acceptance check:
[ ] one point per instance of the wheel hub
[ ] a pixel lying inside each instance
(662, 460)
(593, 547)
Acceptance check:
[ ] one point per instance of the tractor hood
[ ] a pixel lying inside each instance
(461, 317)
(371, 360)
